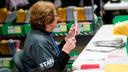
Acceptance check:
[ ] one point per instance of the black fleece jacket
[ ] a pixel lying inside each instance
(40, 55)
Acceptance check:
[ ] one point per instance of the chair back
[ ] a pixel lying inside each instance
(5, 70)
(17, 58)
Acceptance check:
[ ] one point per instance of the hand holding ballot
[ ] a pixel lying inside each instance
(74, 30)
(75, 20)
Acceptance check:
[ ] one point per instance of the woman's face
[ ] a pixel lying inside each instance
(51, 26)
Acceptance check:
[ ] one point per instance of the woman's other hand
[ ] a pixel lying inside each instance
(69, 45)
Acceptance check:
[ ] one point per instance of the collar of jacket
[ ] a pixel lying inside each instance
(42, 30)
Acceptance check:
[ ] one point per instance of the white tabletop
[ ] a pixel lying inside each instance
(96, 57)
(93, 70)
(116, 6)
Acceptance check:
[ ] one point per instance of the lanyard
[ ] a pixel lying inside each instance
(55, 45)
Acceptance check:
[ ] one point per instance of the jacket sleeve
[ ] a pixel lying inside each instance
(61, 44)
(42, 53)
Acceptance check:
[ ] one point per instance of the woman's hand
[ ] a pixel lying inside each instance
(73, 32)
(69, 45)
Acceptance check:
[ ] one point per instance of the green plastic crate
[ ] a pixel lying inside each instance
(85, 27)
(74, 54)
(27, 28)
(7, 62)
(61, 29)
(126, 46)
(12, 30)
(0, 30)
(120, 18)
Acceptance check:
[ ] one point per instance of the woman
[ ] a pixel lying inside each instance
(41, 54)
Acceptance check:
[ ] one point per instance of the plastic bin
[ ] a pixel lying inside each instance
(120, 18)
(126, 46)
(0, 30)
(85, 27)
(12, 30)
(74, 54)
(61, 29)
(27, 28)
(6, 62)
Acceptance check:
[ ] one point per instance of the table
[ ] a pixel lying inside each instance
(101, 58)
(93, 70)
(116, 6)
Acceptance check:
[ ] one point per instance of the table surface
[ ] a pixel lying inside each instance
(116, 6)
(97, 57)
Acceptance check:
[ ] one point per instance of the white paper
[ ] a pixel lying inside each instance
(102, 49)
(75, 18)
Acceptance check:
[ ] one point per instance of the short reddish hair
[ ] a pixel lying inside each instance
(42, 13)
